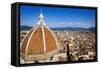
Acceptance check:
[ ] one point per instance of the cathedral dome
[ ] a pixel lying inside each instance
(40, 43)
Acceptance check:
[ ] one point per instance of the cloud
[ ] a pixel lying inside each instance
(69, 24)
(63, 23)
(74, 23)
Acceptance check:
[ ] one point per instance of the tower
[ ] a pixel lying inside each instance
(40, 43)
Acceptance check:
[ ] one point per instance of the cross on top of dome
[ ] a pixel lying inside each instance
(41, 21)
(41, 15)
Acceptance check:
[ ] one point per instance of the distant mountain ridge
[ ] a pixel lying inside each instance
(74, 29)
(62, 28)
(25, 27)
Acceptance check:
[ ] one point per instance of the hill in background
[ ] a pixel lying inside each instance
(62, 28)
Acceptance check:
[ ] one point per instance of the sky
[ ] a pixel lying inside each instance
(57, 16)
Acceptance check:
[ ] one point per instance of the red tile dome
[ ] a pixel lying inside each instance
(40, 43)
